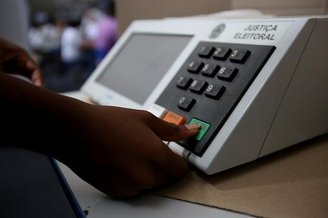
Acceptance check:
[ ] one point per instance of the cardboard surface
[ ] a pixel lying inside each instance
(289, 183)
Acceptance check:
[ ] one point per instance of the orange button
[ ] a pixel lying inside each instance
(174, 118)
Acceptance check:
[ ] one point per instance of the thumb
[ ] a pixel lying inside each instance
(171, 132)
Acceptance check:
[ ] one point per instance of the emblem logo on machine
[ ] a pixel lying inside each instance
(217, 31)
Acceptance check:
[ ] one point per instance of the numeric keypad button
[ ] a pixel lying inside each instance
(227, 73)
(221, 53)
(206, 51)
(186, 103)
(210, 70)
(239, 55)
(214, 91)
(198, 86)
(183, 82)
(195, 66)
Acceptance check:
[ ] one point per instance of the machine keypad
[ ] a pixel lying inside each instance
(210, 84)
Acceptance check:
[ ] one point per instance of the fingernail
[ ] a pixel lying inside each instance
(193, 127)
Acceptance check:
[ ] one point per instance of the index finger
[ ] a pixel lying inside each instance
(171, 132)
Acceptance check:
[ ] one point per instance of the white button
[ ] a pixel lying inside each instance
(179, 150)
(157, 110)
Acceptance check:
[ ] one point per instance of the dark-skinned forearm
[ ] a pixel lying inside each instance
(37, 119)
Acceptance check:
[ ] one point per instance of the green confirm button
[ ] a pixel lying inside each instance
(203, 128)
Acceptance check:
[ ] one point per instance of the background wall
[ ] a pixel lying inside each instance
(128, 10)
(284, 7)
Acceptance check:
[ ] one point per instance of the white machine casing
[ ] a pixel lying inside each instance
(287, 102)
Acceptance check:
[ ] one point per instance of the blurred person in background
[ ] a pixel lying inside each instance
(44, 34)
(90, 19)
(74, 71)
(71, 42)
(45, 38)
(106, 30)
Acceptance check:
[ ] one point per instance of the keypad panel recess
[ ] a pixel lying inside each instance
(210, 84)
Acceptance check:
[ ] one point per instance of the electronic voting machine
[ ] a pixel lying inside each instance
(255, 86)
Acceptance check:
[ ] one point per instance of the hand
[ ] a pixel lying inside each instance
(15, 60)
(123, 152)
(119, 151)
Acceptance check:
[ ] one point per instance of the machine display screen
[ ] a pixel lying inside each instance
(141, 63)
